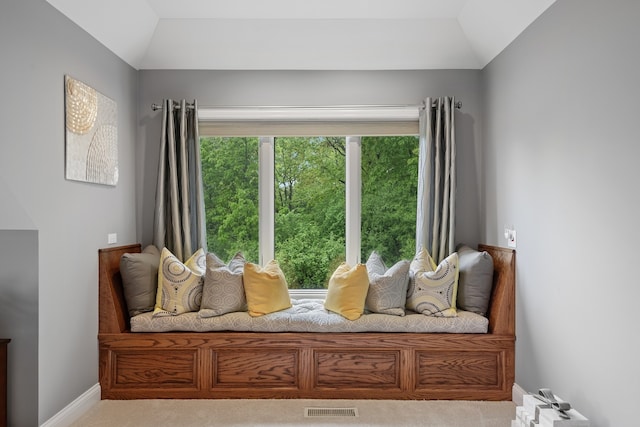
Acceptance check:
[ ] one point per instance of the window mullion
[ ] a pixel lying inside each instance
(266, 199)
(353, 199)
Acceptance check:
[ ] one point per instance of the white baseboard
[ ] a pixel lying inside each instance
(75, 409)
(516, 394)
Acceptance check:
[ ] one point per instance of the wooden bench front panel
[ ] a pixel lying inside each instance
(255, 368)
(304, 365)
(357, 368)
(458, 369)
(153, 369)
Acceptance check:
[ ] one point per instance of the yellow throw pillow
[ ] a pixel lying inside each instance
(433, 291)
(266, 288)
(179, 284)
(347, 291)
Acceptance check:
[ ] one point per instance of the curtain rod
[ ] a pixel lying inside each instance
(155, 107)
(176, 106)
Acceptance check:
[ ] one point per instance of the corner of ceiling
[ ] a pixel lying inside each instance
(492, 25)
(136, 27)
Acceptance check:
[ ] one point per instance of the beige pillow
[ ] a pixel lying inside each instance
(179, 284)
(433, 292)
(347, 290)
(265, 288)
(139, 273)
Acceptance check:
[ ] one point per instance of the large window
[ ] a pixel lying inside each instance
(311, 202)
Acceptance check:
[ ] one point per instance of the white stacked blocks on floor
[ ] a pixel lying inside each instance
(536, 411)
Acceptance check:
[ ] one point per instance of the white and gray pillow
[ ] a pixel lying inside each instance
(476, 280)
(223, 290)
(387, 292)
(433, 291)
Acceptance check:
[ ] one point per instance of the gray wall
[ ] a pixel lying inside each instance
(19, 322)
(38, 46)
(562, 149)
(285, 88)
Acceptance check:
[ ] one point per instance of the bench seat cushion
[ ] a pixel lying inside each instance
(309, 315)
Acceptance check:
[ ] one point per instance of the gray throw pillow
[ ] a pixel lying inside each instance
(387, 292)
(139, 273)
(223, 289)
(476, 280)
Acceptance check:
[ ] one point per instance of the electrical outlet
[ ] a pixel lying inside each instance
(112, 238)
(511, 241)
(510, 235)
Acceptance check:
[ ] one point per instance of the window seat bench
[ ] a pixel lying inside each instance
(335, 358)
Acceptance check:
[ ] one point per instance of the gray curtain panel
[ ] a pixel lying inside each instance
(435, 223)
(179, 223)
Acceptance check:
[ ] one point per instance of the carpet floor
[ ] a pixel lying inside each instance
(263, 413)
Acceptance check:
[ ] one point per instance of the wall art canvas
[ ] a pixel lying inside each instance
(91, 134)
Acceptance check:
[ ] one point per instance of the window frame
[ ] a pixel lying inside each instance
(352, 121)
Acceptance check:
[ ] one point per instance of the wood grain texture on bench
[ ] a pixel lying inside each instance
(364, 365)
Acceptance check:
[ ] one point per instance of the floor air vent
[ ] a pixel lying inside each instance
(330, 412)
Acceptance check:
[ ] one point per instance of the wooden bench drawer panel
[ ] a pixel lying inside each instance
(354, 369)
(255, 368)
(464, 369)
(151, 369)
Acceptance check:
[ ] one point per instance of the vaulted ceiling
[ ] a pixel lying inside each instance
(304, 34)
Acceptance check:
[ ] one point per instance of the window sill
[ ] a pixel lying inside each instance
(308, 293)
